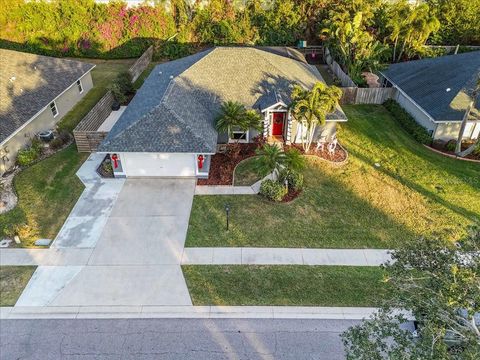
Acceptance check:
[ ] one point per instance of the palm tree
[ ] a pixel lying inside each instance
(412, 25)
(233, 115)
(270, 158)
(294, 161)
(458, 148)
(310, 108)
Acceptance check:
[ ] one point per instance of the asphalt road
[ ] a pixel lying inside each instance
(172, 339)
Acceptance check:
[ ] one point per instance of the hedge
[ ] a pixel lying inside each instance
(407, 122)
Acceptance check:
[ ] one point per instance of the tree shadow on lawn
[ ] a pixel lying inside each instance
(412, 154)
(326, 215)
(392, 142)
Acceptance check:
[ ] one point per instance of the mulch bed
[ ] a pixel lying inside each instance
(105, 170)
(440, 146)
(222, 165)
(291, 195)
(339, 156)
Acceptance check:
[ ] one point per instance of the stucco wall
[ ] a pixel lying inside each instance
(448, 131)
(413, 110)
(329, 129)
(43, 121)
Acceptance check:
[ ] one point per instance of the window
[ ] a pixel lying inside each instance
(239, 135)
(53, 108)
(79, 85)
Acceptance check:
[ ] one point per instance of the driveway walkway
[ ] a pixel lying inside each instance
(135, 261)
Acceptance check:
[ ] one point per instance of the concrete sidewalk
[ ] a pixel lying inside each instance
(284, 256)
(205, 312)
(191, 256)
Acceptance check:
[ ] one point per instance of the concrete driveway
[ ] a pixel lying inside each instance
(136, 260)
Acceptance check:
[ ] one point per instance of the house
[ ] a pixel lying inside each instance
(437, 92)
(168, 129)
(36, 92)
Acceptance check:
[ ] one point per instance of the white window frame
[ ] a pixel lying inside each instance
(55, 114)
(79, 86)
(246, 133)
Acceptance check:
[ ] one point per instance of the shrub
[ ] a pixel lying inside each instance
(295, 181)
(273, 190)
(451, 145)
(124, 81)
(61, 139)
(407, 122)
(117, 93)
(28, 155)
(293, 178)
(476, 150)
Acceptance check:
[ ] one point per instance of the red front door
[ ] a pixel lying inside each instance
(277, 128)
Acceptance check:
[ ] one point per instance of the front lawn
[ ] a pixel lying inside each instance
(13, 280)
(411, 192)
(47, 192)
(285, 285)
(244, 173)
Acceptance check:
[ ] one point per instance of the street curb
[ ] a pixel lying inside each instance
(191, 312)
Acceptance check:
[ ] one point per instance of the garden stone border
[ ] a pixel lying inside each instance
(452, 156)
(230, 189)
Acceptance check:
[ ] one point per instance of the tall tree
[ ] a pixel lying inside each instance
(439, 284)
(411, 26)
(310, 108)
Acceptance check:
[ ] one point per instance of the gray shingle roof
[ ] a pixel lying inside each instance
(30, 82)
(175, 109)
(426, 82)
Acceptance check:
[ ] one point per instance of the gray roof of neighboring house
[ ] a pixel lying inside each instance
(30, 82)
(426, 82)
(175, 109)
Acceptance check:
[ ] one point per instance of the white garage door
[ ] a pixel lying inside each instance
(158, 164)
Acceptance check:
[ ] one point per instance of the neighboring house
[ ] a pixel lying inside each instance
(36, 92)
(437, 91)
(169, 126)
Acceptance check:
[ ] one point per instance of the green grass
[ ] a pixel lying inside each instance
(47, 192)
(285, 285)
(13, 280)
(103, 75)
(244, 173)
(413, 193)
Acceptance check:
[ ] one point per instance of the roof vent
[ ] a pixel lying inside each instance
(448, 89)
(159, 73)
(171, 76)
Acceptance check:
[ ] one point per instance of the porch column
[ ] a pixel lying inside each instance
(289, 129)
(266, 124)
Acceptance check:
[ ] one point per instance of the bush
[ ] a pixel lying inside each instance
(293, 178)
(117, 93)
(273, 190)
(60, 140)
(451, 145)
(124, 81)
(407, 122)
(476, 150)
(28, 155)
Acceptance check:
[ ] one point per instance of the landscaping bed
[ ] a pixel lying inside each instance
(13, 280)
(391, 191)
(448, 148)
(222, 165)
(298, 285)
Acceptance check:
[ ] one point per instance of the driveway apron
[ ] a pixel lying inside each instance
(136, 260)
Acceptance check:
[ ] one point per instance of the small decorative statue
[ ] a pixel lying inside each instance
(321, 144)
(333, 145)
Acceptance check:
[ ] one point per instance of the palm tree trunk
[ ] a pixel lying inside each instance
(458, 148)
(395, 48)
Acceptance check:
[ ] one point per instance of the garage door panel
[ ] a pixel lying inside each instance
(158, 164)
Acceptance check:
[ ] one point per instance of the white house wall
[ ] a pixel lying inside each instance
(328, 130)
(158, 164)
(413, 110)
